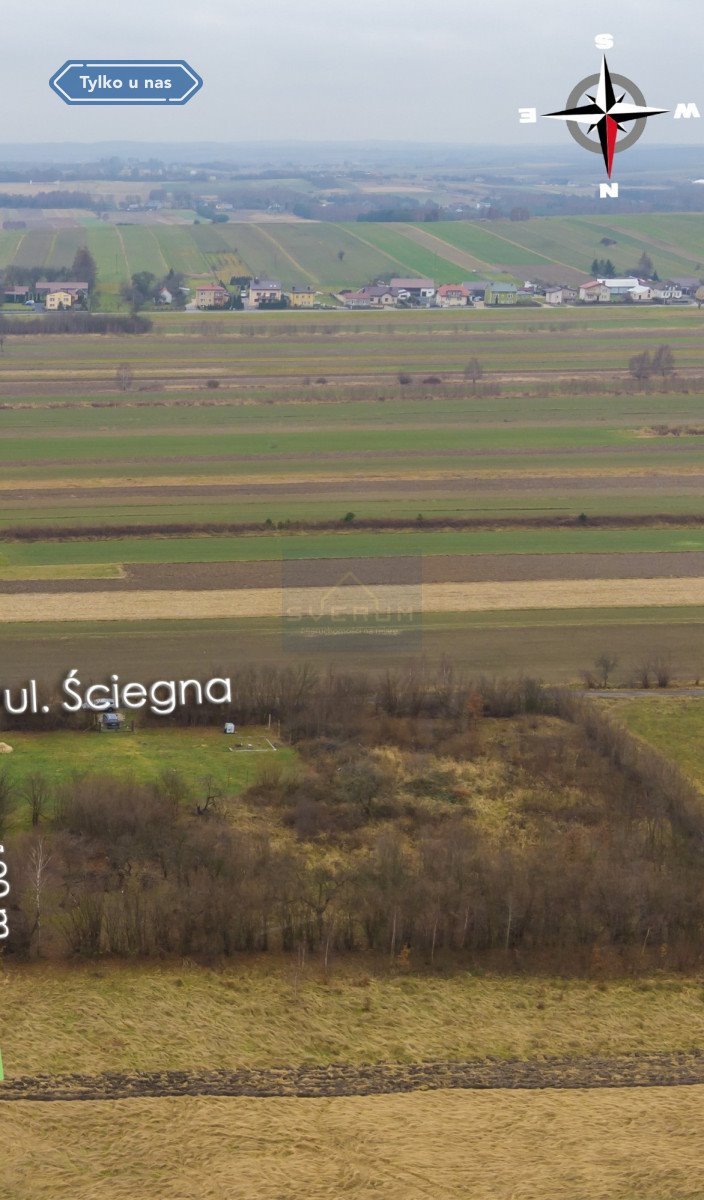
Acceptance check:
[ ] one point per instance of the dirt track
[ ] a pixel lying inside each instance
(341, 1079)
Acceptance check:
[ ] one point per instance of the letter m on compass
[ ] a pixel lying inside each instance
(607, 113)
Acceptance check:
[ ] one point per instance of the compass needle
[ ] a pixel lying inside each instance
(605, 114)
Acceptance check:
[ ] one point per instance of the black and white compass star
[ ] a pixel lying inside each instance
(608, 113)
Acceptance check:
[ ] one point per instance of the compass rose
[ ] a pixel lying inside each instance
(607, 113)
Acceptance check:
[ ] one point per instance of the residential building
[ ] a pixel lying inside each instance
(301, 297)
(421, 290)
(688, 284)
(594, 292)
(619, 287)
(165, 296)
(264, 289)
(452, 295)
(211, 295)
(641, 292)
(667, 290)
(476, 288)
(501, 293)
(17, 295)
(560, 295)
(54, 300)
(75, 286)
(376, 296)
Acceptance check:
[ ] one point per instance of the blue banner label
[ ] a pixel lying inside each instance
(109, 81)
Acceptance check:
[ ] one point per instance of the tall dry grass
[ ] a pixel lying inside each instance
(632, 1144)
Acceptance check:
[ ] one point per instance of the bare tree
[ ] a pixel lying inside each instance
(474, 371)
(605, 665)
(6, 796)
(124, 377)
(663, 362)
(37, 797)
(662, 670)
(38, 869)
(640, 366)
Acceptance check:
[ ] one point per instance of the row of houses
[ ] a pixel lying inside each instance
(52, 293)
(602, 291)
(404, 292)
(260, 292)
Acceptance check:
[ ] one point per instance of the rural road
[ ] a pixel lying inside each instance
(340, 1079)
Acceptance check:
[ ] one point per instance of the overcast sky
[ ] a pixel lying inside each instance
(410, 70)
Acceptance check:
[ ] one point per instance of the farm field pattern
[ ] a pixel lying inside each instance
(332, 255)
(555, 486)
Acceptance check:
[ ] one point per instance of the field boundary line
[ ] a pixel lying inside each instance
(663, 1069)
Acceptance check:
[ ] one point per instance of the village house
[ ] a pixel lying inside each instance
(76, 287)
(501, 293)
(667, 290)
(594, 292)
(375, 296)
(619, 287)
(688, 285)
(641, 292)
(560, 295)
(211, 295)
(420, 290)
(301, 297)
(56, 300)
(264, 289)
(17, 295)
(452, 295)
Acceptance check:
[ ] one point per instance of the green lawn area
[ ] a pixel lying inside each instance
(198, 755)
(673, 725)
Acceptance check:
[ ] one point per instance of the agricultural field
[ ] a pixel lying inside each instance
(553, 486)
(331, 256)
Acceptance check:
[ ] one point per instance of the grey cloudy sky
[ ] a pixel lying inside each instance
(412, 70)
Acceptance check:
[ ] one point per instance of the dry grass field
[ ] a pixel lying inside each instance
(628, 1144)
(111, 1016)
(335, 602)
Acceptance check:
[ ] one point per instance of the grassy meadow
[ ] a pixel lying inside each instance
(673, 725)
(628, 1144)
(201, 757)
(111, 1016)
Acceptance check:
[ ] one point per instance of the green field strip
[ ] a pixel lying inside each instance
(32, 249)
(142, 250)
(65, 245)
(108, 250)
(630, 247)
(90, 445)
(180, 250)
(67, 572)
(482, 243)
(75, 514)
(9, 242)
(409, 256)
(272, 547)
